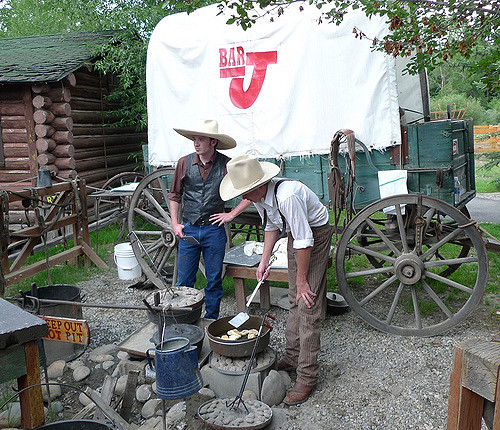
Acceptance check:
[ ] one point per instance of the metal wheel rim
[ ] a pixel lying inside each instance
(419, 326)
(155, 247)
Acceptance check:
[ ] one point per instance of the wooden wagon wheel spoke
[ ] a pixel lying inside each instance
(406, 293)
(150, 225)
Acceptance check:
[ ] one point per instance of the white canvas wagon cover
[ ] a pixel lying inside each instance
(281, 88)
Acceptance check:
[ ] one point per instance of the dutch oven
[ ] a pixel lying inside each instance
(236, 348)
(194, 333)
(185, 297)
(336, 304)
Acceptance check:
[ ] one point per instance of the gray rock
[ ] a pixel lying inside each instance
(84, 400)
(101, 358)
(249, 395)
(108, 364)
(80, 373)
(273, 389)
(143, 393)
(56, 407)
(150, 424)
(55, 392)
(74, 364)
(150, 408)
(126, 366)
(102, 351)
(286, 378)
(153, 387)
(177, 412)
(205, 392)
(11, 416)
(121, 383)
(56, 369)
(122, 355)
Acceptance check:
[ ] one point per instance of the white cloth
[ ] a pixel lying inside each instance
(391, 183)
(310, 81)
(299, 205)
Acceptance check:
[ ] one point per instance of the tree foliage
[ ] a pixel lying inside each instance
(436, 31)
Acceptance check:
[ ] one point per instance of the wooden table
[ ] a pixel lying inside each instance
(19, 335)
(240, 273)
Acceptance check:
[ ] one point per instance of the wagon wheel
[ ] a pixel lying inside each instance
(408, 294)
(150, 229)
(122, 179)
(368, 237)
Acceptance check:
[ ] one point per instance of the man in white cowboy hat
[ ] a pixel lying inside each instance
(280, 201)
(196, 183)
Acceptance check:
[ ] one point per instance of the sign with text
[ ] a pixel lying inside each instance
(67, 330)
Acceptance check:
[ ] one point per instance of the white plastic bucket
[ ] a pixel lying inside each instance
(128, 267)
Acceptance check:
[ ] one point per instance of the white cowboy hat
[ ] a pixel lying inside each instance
(209, 128)
(244, 174)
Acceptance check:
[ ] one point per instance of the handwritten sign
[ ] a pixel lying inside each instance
(67, 330)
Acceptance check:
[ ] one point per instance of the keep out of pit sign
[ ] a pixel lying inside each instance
(67, 330)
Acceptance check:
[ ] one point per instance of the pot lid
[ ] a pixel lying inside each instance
(194, 333)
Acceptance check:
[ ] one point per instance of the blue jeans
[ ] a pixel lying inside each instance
(212, 244)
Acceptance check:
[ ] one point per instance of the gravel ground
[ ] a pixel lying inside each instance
(369, 379)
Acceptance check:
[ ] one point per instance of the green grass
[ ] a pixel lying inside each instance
(487, 180)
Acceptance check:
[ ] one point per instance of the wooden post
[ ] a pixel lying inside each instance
(474, 378)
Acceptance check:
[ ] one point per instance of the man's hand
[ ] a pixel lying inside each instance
(304, 292)
(178, 229)
(221, 218)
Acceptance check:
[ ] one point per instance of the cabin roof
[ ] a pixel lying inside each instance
(47, 58)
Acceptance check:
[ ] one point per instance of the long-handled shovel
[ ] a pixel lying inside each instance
(239, 319)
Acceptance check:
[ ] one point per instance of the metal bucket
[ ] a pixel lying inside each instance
(176, 366)
(77, 425)
(57, 350)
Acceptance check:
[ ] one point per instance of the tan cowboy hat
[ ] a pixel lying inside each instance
(209, 128)
(244, 174)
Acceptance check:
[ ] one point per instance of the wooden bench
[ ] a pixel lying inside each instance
(474, 381)
(19, 335)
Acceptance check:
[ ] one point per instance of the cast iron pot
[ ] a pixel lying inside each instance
(336, 304)
(176, 317)
(194, 333)
(236, 348)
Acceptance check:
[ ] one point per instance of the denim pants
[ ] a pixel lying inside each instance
(212, 244)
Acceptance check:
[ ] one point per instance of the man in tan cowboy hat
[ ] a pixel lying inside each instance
(290, 205)
(196, 182)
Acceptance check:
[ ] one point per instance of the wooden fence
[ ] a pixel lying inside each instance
(486, 138)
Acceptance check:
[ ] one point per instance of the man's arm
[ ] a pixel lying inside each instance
(224, 217)
(174, 213)
(270, 238)
(303, 288)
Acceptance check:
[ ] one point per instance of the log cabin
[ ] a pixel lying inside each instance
(53, 107)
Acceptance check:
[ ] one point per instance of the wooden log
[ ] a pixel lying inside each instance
(84, 153)
(61, 109)
(65, 163)
(40, 88)
(41, 101)
(93, 129)
(118, 139)
(15, 150)
(62, 123)
(46, 158)
(101, 162)
(14, 176)
(89, 92)
(14, 136)
(19, 217)
(85, 104)
(63, 136)
(11, 108)
(99, 174)
(64, 151)
(59, 94)
(45, 144)
(12, 121)
(87, 116)
(70, 80)
(30, 132)
(44, 130)
(42, 116)
(17, 163)
(67, 174)
(84, 78)
(11, 94)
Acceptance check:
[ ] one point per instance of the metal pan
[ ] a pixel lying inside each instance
(236, 348)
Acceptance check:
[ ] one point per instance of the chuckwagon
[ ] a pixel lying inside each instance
(408, 258)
